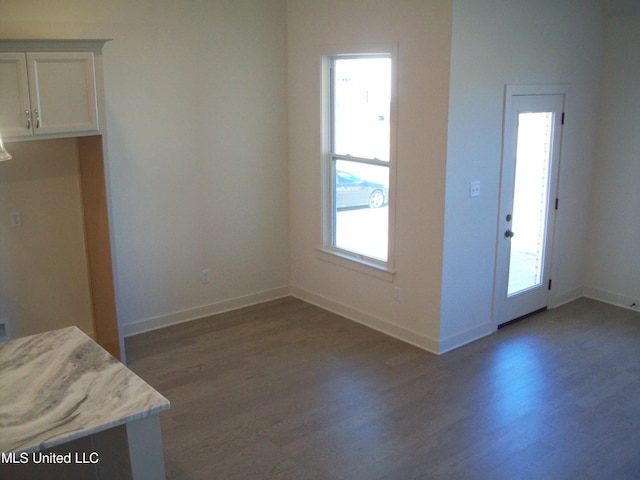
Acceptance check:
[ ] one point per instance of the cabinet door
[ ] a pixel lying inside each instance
(14, 96)
(62, 88)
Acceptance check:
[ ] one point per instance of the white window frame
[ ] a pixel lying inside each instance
(327, 251)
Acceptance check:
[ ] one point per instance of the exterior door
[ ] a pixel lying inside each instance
(528, 201)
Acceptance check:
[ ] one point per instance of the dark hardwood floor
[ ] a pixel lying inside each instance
(285, 390)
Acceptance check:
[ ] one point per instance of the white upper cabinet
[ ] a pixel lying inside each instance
(14, 96)
(48, 93)
(62, 90)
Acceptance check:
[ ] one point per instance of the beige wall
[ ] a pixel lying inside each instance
(495, 43)
(43, 268)
(197, 141)
(455, 59)
(213, 113)
(422, 32)
(614, 262)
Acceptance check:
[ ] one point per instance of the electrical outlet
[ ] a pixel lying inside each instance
(396, 294)
(16, 219)
(204, 278)
(4, 330)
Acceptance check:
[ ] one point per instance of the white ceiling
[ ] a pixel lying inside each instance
(621, 7)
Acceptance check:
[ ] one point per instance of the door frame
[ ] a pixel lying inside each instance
(512, 90)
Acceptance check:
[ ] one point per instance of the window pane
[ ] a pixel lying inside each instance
(362, 98)
(361, 212)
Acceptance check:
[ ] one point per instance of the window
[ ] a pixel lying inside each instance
(359, 157)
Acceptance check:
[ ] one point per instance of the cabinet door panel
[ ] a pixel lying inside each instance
(63, 92)
(14, 96)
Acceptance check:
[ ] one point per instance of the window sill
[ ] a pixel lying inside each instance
(356, 264)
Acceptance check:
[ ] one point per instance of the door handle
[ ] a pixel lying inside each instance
(508, 234)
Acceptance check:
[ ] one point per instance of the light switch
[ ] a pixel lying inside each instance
(474, 189)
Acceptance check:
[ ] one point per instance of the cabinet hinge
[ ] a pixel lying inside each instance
(562, 121)
(549, 284)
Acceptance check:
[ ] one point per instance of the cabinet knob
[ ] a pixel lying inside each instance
(37, 118)
(28, 114)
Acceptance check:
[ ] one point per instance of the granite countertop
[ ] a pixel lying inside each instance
(61, 385)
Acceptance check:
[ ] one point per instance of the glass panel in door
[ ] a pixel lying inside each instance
(530, 201)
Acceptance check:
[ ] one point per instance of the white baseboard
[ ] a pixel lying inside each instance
(471, 335)
(566, 297)
(417, 339)
(149, 324)
(401, 333)
(612, 298)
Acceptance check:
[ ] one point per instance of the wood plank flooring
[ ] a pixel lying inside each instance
(285, 390)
